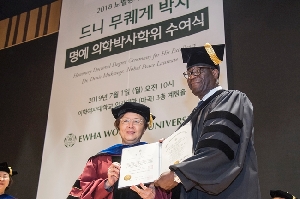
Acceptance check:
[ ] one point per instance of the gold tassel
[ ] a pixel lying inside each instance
(212, 54)
(10, 170)
(150, 120)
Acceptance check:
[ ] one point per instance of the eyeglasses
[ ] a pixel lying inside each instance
(134, 121)
(196, 72)
(4, 178)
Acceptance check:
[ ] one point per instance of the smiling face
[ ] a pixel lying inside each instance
(202, 83)
(132, 128)
(4, 181)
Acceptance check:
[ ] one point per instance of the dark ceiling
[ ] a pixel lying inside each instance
(10, 8)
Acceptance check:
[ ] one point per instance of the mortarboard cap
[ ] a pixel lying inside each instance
(207, 55)
(7, 169)
(281, 194)
(134, 107)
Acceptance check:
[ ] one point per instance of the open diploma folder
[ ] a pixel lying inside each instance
(145, 163)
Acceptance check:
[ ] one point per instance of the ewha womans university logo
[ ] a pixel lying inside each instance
(70, 140)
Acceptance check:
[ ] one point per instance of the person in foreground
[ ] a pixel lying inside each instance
(6, 174)
(101, 173)
(224, 164)
(278, 194)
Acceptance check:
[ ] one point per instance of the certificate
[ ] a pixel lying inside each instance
(145, 163)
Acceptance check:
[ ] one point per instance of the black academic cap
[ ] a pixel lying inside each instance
(281, 194)
(133, 107)
(207, 55)
(7, 169)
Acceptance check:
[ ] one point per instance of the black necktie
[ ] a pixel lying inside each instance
(200, 106)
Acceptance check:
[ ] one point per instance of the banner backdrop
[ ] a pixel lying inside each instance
(110, 52)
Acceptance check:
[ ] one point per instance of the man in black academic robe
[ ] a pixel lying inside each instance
(224, 164)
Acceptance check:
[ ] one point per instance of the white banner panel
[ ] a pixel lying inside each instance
(110, 52)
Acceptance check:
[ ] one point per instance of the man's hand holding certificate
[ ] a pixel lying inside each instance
(145, 163)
